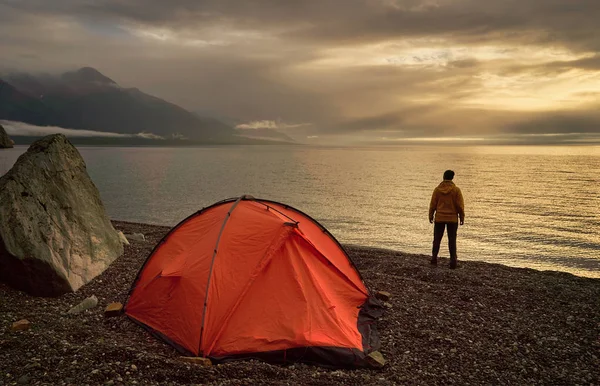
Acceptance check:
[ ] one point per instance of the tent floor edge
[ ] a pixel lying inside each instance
(180, 349)
(321, 356)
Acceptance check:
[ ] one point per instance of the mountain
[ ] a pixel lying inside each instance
(18, 106)
(87, 99)
(87, 75)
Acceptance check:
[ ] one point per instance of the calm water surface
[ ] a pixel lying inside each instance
(536, 207)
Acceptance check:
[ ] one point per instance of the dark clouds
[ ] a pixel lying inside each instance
(581, 121)
(407, 67)
(570, 22)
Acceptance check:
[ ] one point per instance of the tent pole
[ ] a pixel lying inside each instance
(211, 269)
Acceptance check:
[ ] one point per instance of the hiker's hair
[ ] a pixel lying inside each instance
(448, 175)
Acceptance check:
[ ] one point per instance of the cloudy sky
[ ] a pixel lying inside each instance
(346, 70)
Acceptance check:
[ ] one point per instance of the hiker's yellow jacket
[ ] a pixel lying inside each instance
(447, 203)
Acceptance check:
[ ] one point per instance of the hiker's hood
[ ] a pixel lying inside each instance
(445, 186)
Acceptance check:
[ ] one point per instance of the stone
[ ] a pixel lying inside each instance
(383, 295)
(113, 309)
(197, 361)
(86, 304)
(5, 141)
(136, 237)
(376, 359)
(20, 325)
(123, 238)
(55, 235)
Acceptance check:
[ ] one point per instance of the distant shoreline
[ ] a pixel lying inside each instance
(147, 142)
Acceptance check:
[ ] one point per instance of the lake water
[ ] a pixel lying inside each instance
(536, 207)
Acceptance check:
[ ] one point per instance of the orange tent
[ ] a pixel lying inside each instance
(255, 278)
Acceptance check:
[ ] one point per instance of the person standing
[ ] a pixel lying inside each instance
(446, 208)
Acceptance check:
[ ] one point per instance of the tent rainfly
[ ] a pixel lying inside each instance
(252, 278)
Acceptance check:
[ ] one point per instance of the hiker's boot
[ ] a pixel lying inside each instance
(453, 263)
(433, 261)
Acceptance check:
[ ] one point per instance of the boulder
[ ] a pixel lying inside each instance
(5, 141)
(54, 233)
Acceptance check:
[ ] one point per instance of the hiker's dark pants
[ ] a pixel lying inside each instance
(438, 233)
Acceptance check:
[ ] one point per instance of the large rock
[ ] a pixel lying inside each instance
(5, 141)
(54, 233)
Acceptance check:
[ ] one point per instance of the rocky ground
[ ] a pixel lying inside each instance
(479, 324)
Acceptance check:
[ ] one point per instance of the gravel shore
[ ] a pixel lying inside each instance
(480, 324)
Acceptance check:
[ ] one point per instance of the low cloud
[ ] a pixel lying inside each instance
(265, 124)
(27, 130)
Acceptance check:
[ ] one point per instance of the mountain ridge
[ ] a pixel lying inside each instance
(86, 99)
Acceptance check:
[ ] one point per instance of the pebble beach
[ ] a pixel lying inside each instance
(479, 324)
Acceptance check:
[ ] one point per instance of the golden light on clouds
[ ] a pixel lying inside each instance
(509, 77)
(534, 92)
